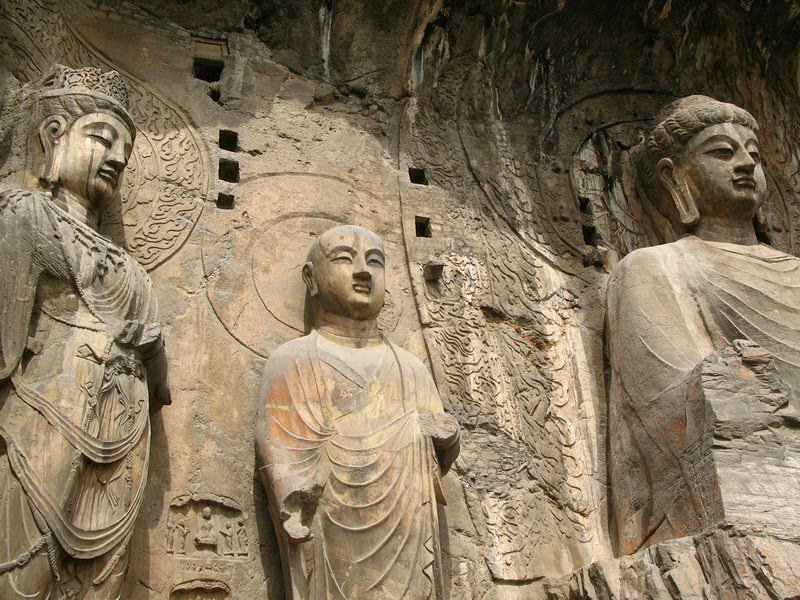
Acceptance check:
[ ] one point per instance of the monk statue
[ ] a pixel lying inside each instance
(352, 440)
(703, 341)
(82, 361)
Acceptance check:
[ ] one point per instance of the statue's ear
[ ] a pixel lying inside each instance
(679, 191)
(50, 131)
(309, 279)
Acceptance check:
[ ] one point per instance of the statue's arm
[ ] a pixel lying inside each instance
(290, 440)
(442, 428)
(656, 339)
(654, 330)
(20, 243)
(148, 338)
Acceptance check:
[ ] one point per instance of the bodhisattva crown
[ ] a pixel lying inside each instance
(89, 81)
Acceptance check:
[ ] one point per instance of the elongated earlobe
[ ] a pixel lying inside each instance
(50, 132)
(309, 279)
(679, 191)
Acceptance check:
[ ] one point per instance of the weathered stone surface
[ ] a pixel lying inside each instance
(720, 563)
(518, 120)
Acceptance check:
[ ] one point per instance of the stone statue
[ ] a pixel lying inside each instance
(228, 538)
(82, 362)
(206, 537)
(242, 539)
(352, 440)
(703, 341)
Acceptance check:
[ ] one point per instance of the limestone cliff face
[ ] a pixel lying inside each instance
(491, 136)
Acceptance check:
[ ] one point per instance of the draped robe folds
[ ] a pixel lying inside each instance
(356, 437)
(74, 407)
(670, 307)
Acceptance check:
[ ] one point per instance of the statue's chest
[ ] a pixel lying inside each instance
(94, 284)
(361, 408)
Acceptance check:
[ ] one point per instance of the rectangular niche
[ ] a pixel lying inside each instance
(208, 69)
(228, 140)
(229, 170)
(417, 176)
(422, 226)
(225, 201)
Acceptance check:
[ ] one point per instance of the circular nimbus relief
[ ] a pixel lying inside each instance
(255, 273)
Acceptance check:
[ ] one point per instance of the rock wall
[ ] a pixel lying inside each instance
(490, 136)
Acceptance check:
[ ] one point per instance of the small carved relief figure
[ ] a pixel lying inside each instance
(170, 537)
(206, 537)
(352, 440)
(82, 361)
(181, 533)
(694, 323)
(228, 534)
(242, 541)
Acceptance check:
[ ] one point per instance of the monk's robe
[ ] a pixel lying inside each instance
(339, 427)
(669, 308)
(74, 405)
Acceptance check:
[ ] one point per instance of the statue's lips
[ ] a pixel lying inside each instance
(109, 175)
(363, 288)
(745, 182)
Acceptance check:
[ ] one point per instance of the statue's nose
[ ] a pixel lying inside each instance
(744, 161)
(117, 158)
(360, 271)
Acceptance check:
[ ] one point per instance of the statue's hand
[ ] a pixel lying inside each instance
(148, 338)
(297, 510)
(442, 428)
(749, 352)
(745, 389)
(295, 530)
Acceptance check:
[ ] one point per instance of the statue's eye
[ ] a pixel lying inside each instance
(376, 262)
(344, 258)
(101, 139)
(721, 153)
(755, 156)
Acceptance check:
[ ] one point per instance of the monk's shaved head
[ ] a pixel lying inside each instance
(336, 235)
(345, 274)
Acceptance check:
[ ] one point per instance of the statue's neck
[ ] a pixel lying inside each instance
(77, 207)
(716, 229)
(349, 332)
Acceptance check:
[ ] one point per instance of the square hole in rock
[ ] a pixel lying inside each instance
(229, 170)
(423, 226)
(225, 201)
(228, 140)
(417, 176)
(590, 235)
(208, 69)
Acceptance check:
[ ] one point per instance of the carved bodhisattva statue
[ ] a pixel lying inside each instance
(352, 440)
(82, 360)
(704, 343)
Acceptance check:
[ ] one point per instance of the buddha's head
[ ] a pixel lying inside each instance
(345, 273)
(85, 133)
(701, 159)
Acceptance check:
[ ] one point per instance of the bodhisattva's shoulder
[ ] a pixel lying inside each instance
(23, 208)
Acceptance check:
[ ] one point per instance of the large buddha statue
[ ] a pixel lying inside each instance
(704, 343)
(352, 440)
(82, 361)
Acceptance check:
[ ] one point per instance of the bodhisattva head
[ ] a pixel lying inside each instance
(345, 274)
(86, 134)
(701, 166)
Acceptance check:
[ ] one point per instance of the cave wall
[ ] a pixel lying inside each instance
(516, 120)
